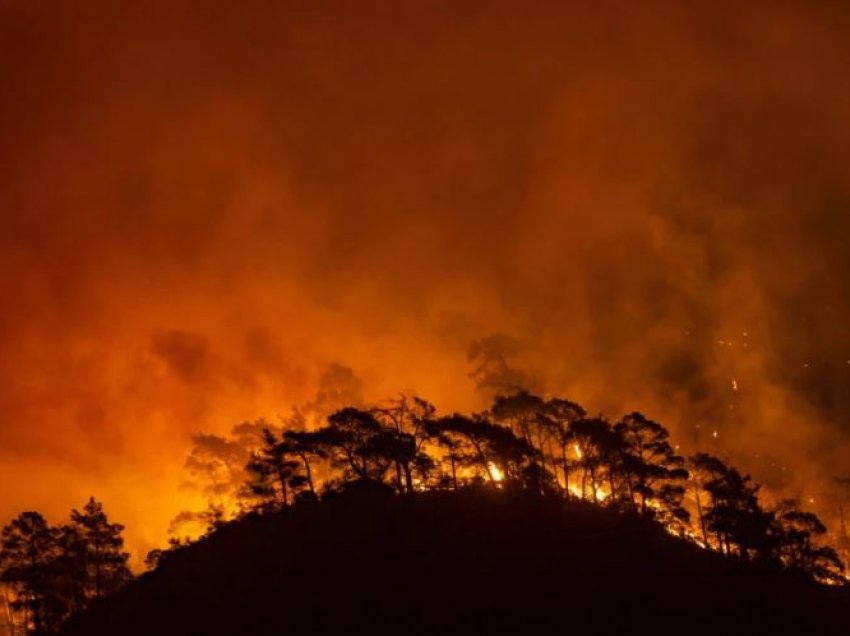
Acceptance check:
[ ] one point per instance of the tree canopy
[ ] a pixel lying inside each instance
(524, 444)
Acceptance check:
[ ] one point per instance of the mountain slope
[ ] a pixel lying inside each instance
(468, 562)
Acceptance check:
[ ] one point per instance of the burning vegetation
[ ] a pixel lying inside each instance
(524, 442)
(523, 446)
(203, 206)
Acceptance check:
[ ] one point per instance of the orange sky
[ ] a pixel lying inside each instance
(202, 207)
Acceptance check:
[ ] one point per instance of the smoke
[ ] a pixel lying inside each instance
(204, 207)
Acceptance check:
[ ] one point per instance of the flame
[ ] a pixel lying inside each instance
(495, 472)
(601, 493)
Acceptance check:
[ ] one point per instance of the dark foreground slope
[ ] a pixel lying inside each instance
(473, 562)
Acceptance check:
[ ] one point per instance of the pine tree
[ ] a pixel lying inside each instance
(734, 512)
(27, 556)
(560, 414)
(101, 550)
(275, 469)
(654, 473)
(800, 537)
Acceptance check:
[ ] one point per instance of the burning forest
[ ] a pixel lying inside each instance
(302, 216)
(523, 446)
(547, 447)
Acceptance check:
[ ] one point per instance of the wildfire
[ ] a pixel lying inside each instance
(495, 472)
(601, 494)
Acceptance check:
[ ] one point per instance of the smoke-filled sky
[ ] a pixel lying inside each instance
(202, 207)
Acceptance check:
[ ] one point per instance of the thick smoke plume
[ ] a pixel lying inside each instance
(202, 207)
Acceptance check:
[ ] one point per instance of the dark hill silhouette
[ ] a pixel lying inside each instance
(475, 561)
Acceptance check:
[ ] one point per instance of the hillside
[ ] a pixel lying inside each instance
(470, 562)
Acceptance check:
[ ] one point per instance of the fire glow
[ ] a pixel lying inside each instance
(581, 221)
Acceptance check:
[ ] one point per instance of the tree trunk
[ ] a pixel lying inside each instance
(398, 476)
(631, 490)
(308, 472)
(584, 482)
(541, 454)
(408, 478)
(283, 490)
(484, 463)
(593, 483)
(566, 468)
(701, 518)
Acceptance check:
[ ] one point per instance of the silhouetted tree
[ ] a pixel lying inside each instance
(358, 444)
(597, 444)
(557, 416)
(28, 557)
(274, 473)
(631, 466)
(306, 446)
(523, 413)
(454, 443)
(734, 512)
(56, 571)
(485, 447)
(71, 568)
(470, 435)
(420, 412)
(101, 546)
(700, 472)
(651, 468)
(406, 419)
(800, 535)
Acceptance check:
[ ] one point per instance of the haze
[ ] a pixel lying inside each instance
(202, 207)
